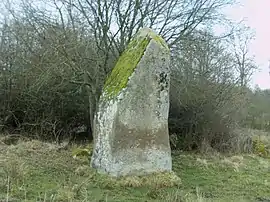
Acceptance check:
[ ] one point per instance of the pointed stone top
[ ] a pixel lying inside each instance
(128, 61)
(147, 32)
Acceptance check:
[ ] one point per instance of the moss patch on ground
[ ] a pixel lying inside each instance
(37, 171)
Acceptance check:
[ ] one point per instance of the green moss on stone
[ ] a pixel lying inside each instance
(125, 66)
(127, 62)
(161, 41)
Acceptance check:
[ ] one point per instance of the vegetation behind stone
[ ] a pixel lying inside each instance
(53, 69)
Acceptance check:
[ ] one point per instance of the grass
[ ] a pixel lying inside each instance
(38, 171)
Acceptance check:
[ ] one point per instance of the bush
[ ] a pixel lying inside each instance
(203, 115)
(49, 107)
(207, 102)
(260, 147)
(38, 93)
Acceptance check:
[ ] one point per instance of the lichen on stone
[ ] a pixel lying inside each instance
(128, 61)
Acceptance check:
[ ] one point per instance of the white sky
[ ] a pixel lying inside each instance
(257, 16)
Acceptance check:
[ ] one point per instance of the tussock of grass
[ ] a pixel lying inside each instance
(202, 162)
(158, 180)
(234, 162)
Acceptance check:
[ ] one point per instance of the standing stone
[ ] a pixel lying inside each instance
(131, 124)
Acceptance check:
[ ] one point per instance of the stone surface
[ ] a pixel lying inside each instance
(131, 124)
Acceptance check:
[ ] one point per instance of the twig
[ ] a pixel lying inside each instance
(7, 197)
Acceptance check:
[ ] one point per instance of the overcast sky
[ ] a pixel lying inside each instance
(257, 15)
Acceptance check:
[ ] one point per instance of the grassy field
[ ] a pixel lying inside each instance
(38, 171)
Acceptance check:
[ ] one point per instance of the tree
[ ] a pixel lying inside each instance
(244, 63)
(114, 22)
(205, 101)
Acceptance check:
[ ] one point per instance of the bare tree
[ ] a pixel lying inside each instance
(244, 62)
(114, 22)
(205, 101)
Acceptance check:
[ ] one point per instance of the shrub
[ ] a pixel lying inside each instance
(259, 147)
(203, 114)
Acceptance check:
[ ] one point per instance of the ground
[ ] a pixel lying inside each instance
(38, 171)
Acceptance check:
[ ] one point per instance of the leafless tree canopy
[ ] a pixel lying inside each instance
(114, 22)
(244, 63)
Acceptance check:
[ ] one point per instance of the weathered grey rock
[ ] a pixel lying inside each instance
(131, 125)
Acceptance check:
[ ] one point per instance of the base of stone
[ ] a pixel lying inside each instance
(156, 180)
(134, 162)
